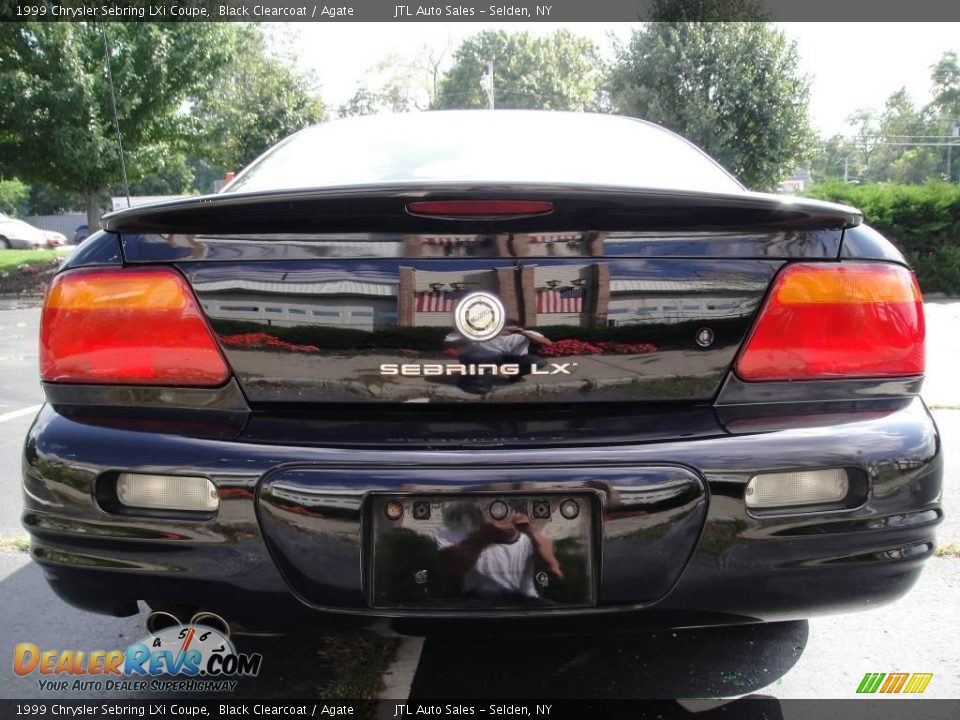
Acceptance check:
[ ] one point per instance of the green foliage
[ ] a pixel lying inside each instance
(946, 85)
(705, 10)
(904, 143)
(47, 200)
(173, 176)
(923, 221)
(256, 101)
(553, 72)
(13, 197)
(12, 259)
(734, 89)
(881, 160)
(184, 91)
(369, 102)
(56, 123)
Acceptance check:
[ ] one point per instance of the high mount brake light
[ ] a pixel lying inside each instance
(132, 326)
(487, 209)
(837, 320)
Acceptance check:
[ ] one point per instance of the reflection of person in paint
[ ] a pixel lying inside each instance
(511, 346)
(499, 557)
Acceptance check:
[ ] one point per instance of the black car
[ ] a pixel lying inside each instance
(81, 233)
(474, 371)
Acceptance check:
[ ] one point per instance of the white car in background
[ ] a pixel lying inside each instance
(18, 234)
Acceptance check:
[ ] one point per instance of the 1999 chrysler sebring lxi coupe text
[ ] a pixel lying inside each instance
(473, 371)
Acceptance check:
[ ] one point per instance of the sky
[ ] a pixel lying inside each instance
(851, 65)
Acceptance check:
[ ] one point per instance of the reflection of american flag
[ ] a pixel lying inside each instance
(435, 302)
(569, 300)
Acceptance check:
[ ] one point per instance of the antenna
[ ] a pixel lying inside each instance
(113, 100)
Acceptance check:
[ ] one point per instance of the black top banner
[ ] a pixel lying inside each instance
(853, 11)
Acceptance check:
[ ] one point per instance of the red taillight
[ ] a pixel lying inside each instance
(480, 208)
(836, 320)
(126, 326)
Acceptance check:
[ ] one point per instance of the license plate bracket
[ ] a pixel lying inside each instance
(482, 551)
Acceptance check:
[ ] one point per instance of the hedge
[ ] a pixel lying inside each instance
(923, 221)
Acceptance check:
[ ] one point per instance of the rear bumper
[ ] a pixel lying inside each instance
(304, 564)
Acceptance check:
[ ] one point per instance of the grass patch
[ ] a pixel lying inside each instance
(359, 662)
(951, 550)
(12, 259)
(14, 544)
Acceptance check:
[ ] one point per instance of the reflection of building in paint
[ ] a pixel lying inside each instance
(576, 295)
(636, 301)
(565, 294)
(547, 244)
(428, 297)
(281, 246)
(317, 299)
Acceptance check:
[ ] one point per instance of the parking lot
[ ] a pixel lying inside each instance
(825, 657)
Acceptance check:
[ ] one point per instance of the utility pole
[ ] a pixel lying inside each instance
(486, 82)
(954, 132)
(846, 169)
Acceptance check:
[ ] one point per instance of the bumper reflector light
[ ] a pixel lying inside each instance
(167, 492)
(805, 487)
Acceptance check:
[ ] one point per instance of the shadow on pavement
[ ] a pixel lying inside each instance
(291, 666)
(702, 663)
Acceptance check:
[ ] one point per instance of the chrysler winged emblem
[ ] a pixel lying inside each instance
(479, 316)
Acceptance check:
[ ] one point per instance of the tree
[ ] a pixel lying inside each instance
(257, 100)
(390, 98)
(944, 110)
(56, 122)
(946, 86)
(13, 197)
(553, 72)
(899, 144)
(47, 200)
(891, 157)
(835, 157)
(705, 10)
(398, 83)
(734, 89)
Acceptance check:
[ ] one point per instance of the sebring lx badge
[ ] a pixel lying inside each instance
(505, 369)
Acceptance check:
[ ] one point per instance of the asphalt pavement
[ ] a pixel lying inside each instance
(824, 657)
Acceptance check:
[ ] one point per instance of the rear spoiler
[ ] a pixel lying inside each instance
(383, 208)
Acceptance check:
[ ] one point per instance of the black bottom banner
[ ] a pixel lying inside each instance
(765, 708)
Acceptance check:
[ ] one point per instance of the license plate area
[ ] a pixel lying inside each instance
(482, 551)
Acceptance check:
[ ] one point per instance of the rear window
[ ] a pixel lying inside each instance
(500, 146)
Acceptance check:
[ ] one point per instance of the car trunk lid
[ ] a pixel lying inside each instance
(610, 295)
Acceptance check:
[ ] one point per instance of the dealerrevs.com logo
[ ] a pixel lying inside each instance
(181, 658)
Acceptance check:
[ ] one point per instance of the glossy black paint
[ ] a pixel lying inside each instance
(651, 517)
(383, 208)
(743, 567)
(101, 248)
(760, 242)
(307, 431)
(656, 305)
(863, 242)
